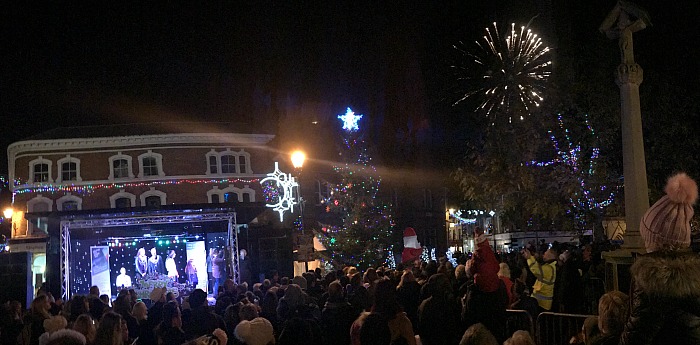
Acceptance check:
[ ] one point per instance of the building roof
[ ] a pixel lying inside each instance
(157, 128)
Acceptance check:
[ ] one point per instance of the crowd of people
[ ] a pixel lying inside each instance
(419, 303)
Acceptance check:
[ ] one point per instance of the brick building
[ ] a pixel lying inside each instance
(104, 184)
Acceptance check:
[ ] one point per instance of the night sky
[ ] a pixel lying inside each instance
(70, 64)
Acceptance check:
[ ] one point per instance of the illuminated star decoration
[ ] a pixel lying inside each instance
(286, 183)
(350, 120)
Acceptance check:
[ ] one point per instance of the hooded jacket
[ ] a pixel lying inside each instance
(665, 300)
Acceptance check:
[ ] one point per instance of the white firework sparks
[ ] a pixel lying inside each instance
(507, 74)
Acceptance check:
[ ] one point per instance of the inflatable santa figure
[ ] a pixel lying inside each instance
(411, 247)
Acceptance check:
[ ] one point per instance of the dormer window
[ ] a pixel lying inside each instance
(68, 169)
(151, 164)
(40, 170)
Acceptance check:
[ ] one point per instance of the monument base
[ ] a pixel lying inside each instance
(617, 268)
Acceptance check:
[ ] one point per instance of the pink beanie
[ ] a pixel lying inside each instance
(666, 224)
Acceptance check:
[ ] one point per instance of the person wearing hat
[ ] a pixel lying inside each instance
(665, 286)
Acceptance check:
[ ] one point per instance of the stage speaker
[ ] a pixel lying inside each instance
(16, 275)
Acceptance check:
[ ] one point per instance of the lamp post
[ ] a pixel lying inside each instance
(298, 157)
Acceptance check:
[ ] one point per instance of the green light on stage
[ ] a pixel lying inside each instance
(332, 240)
(160, 243)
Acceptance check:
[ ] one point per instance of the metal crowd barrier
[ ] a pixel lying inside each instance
(593, 289)
(519, 320)
(558, 328)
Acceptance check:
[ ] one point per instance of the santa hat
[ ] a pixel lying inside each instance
(666, 224)
(410, 240)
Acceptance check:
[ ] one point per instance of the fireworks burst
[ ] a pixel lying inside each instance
(507, 74)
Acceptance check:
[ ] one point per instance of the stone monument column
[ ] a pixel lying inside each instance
(621, 23)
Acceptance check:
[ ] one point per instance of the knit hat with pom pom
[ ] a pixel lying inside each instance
(666, 224)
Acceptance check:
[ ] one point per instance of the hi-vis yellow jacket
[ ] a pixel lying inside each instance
(543, 290)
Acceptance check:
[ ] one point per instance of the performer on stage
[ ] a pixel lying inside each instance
(123, 280)
(170, 265)
(191, 272)
(155, 263)
(218, 270)
(141, 262)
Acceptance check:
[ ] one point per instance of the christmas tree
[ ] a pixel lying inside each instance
(361, 233)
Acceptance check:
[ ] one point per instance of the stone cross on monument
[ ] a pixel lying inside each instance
(624, 20)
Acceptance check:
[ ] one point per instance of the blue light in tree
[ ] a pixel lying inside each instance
(350, 120)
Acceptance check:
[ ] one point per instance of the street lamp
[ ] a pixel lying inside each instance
(8, 213)
(298, 157)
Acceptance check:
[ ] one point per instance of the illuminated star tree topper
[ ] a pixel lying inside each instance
(350, 120)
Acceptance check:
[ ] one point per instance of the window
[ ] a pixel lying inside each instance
(120, 167)
(122, 200)
(39, 204)
(152, 201)
(215, 199)
(228, 164)
(151, 164)
(153, 198)
(122, 203)
(68, 169)
(230, 197)
(69, 203)
(150, 167)
(40, 170)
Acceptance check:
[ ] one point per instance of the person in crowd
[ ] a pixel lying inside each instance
(96, 308)
(52, 325)
(169, 331)
(478, 334)
(123, 308)
(191, 272)
(294, 304)
(202, 320)
(408, 294)
(504, 276)
(218, 270)
(252, 329)
(141, 262)
(545, 273)
(375, 330)
(94, 292)
(520, 337)
(65, 337)
(170, 266)
(10, 322)
(34, 320)
(665, 286)
(337, 316)
(486, 299)
(523, 300)
(357, 294)
(439, 315)
(613, 310)
(139, 311)
(244, 266)
(268, 308)
(123, 280)
(299, 331)
(85, 325)
(385, 303)
(110, 332)
(568, 287)
(78, 305)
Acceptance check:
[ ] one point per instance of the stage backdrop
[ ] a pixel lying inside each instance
(100, 268)
(196, 251)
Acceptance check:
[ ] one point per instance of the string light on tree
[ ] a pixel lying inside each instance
(506, 73)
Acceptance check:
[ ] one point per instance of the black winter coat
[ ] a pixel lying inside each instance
(665, 300)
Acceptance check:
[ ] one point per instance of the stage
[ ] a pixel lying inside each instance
(143, 248)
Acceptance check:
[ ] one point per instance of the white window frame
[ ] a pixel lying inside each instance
(129, 162)
(241, 163)
(154, 192)
(214, 154)
(68, 159)
(247, 190)
(214, 191)
(40, 160)
(37, 200)
(159, 164)
(122, 194)
(67, 198)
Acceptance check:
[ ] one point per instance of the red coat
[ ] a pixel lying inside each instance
(485, 268)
